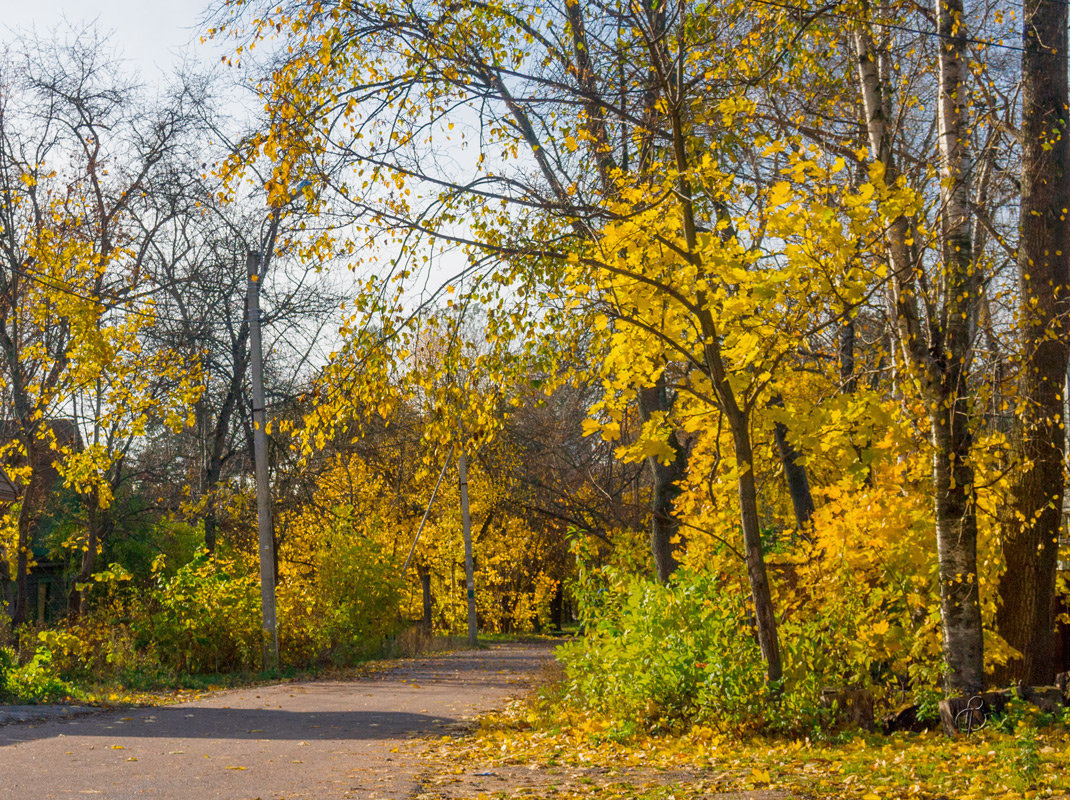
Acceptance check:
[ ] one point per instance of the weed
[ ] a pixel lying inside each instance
(1027, 758)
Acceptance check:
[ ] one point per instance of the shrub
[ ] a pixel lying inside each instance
(37, 681)
(685, 653)
(343, 607)
(69, 653)
(361, 588)
(666, 654)
(204, 618)
(7, 664)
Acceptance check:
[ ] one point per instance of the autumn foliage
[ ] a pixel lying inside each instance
(728, 309)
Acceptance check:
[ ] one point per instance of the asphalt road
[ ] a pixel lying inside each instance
(319, 740)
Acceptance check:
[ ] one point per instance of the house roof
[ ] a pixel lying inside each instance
(66, 434)
(9, 491)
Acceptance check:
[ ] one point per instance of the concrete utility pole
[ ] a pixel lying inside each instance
(263, 490)
(469, 566)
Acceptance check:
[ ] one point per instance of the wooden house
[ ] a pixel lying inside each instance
(47, 582)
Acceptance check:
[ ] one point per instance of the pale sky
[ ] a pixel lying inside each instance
(151, 34)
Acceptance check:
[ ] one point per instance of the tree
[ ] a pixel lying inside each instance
(936, 312)
(202, 273)
(1027, 590)
(79, 176)
(469, 55)
(714, 201)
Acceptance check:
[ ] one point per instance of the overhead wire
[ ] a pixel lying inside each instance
(896, 25)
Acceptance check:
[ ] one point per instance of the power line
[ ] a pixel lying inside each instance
(897, 26)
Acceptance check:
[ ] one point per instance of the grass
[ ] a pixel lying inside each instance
(160, 687)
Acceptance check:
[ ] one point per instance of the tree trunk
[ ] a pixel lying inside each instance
(939, 350)
(737, 417)
(425, 586)
(765, 618)
(1027, 588)
(846, 336)
(802, 500)
(664, 525)
(956, 542)
(557, 608)
(213, 469)
(20, 604)
(846, 352)
(469, 558)
(7, 600)
(29, 515)
(953, 476)
(78, 600)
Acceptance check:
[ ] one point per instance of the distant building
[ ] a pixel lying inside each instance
(9, 492)
(47, 583)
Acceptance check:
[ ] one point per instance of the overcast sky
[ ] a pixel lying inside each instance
(152, 35)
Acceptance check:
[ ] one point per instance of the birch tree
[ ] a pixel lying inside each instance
(938, 348)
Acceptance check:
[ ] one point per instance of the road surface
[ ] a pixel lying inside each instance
(319, 740)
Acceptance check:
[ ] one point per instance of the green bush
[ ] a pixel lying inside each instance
(664, 654)
(344, 604)
(360, 587)
(204, 618)
(37, 681)
(7, 664)
(136, 545)
(685, 653)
